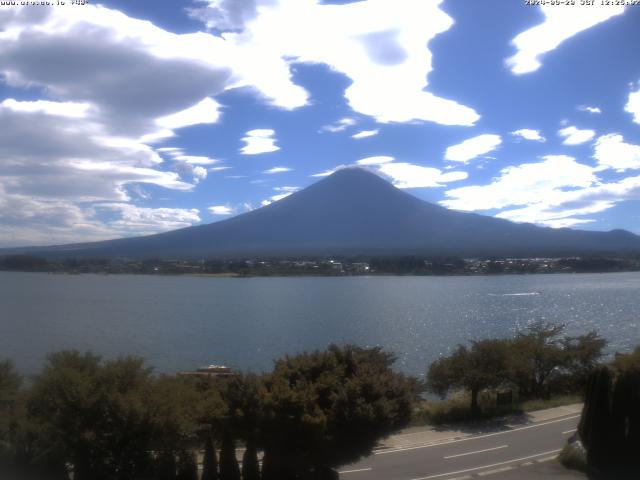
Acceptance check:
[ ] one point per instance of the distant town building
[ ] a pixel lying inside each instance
(360, 267)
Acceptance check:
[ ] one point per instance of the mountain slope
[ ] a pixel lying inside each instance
(351, 212)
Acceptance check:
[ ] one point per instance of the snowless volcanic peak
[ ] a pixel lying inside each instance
(355, 212)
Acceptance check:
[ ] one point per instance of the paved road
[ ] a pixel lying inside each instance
(478, 455)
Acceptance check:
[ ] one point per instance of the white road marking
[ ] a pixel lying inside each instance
(486, 466)
(355, 471)
(477, 451)
(536, 425)
(569, 431)
(494, 471)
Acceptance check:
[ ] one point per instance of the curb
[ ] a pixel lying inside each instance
(457, 437)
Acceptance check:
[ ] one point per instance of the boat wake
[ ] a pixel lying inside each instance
(523, 294)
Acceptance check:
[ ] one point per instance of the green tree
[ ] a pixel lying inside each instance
(241, 394)
(93, 414)
(324, 409)
(627, 362)
(482, 366)
(582, 356)
(535, 355)
(543, 362)
(10, 406)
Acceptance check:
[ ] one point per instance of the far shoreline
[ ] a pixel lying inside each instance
(369, 275)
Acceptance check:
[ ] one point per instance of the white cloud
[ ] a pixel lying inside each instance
(206, 111)
(178, 155)
(220, 210)
(199, 173)
(559, 25)
(611, 151)
(575, 136)
(524, 184)
(226, 15)
(125, 84)
(274, 198)
(562, 206)
(218, 169)
(588, 109)
(277, 170)
(633, 105)
(259, 141)
(138, 79)
(365, 134)
(339, 126)
(529, 134)
(555, 192)
(58, 109)
(381, 46)
(326, 173)
(545, 214)
(473, 147)
(44, 155)
(66, 162)
(25, 220)
(287, 189)
(166, 81)
(136, 220)
(377, 160)
(407, 175)
(195, 159)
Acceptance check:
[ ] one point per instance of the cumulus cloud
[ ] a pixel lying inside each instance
(326, 173)
(576, 136)
(529, 134)
(365, 134)
(206, 111)
(27, 220)
(50, 156)
(220, 210)
(59, 109)
(633, 105)
(561, 208)
(339, 126)
(284, 193)
(287, 189)
(407, 175)
(126, 84)
(129, 83)
(473, 147)
(377, 160)
(611, 151)
(277, 170)
(524, 184)
(178, 155)
(588, 109)
(135, 220)
(163, 80)
(259, 141)
(556, 192)
(381, 47)
(559, 25)
(226, 15)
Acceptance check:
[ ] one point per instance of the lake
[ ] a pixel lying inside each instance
(182, 322)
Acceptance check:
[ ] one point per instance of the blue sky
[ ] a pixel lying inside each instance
(123, 118)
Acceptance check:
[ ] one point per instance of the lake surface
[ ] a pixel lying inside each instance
(184, 322)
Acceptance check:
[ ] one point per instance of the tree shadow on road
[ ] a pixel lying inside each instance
(480, 426)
